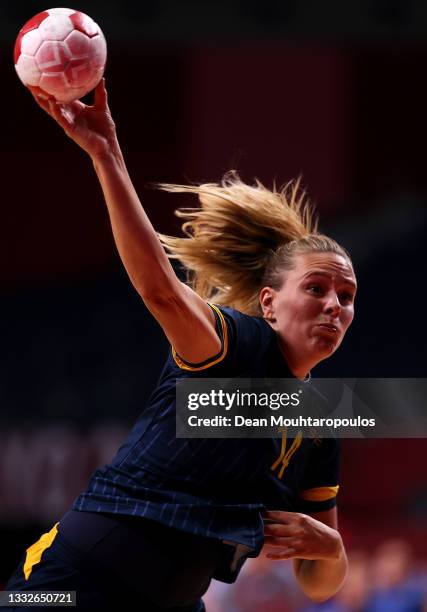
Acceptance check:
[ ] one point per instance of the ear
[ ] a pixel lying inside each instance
(266, 298)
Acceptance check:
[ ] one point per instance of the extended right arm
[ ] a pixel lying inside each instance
(186, 319)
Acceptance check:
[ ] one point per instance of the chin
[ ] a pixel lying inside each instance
(325, 349)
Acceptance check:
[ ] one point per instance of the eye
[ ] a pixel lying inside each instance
(315, 289)
(346, 297)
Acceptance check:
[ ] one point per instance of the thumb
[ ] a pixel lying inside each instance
(101, 98)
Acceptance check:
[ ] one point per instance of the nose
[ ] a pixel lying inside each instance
(332, 304)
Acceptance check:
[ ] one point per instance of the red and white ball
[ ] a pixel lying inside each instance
(60, 53)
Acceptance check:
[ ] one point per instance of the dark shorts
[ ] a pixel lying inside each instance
(127, 563)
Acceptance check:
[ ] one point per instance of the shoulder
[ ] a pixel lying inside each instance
(242, 326)
(246, 333)
(250, 339)
(242, 336)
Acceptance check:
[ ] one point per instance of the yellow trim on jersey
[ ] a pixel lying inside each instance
(35, 552)
(320, 493)
(197, 368)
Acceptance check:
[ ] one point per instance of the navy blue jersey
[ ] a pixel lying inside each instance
(215, 488)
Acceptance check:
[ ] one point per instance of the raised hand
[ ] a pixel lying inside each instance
(91, 127)
(291, 535)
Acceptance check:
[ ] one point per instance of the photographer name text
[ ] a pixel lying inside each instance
(238, 420)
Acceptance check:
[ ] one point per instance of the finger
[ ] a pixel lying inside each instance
(287, 553)
(275, 542)
(66, 114)
(278, 530)
(41, 101)
(39, 93)
(62, 114)
(101, 96)
(279, 516)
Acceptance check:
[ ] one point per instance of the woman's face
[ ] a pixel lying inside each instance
(315, 305)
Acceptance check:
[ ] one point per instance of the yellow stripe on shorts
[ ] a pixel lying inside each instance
(35, 552)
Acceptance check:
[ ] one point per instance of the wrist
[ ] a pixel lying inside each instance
(111, 155)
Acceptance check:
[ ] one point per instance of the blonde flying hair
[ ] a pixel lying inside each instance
(243, 237)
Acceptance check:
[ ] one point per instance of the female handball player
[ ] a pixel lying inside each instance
(268, 296)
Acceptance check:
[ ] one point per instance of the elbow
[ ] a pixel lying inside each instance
(158, 284)
(319, 598)
(160, 293)
(157, 301)
(163, 298)
(319, 586)
(320, 595)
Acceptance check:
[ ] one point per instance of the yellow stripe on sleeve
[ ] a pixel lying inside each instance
(204, 366)
(320, 493)
(35, 552)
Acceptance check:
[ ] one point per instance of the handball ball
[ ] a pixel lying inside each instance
(60, 53)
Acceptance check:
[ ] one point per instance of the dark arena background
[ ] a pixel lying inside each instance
(333, 91)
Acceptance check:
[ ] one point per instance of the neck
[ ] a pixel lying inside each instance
(300, 365)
